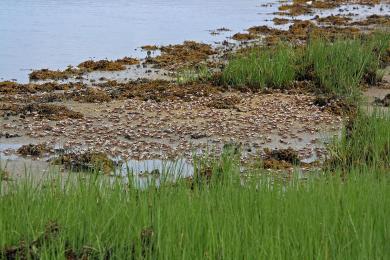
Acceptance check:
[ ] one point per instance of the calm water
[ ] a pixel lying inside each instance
(55, 33)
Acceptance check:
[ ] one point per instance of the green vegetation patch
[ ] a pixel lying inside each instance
(365, 143)
(337, 67)
(261, 68)
(313, 219)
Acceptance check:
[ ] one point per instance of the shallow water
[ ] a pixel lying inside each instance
(55, 33)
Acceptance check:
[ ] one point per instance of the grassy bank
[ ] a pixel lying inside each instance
(322, 218)
(336, 67)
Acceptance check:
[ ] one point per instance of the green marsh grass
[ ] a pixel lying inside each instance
(379, 44)
(323, 217)
(337, 67)
(261, 68)
(365, 143)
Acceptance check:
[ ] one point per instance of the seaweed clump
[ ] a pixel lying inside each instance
(44, 74)
(280, 21)
(149, 48)
(34, 150)
(373, 20)
(90, 95)
(107, 65)
(300, 7)
(244, 36)
(7, 86)
(225, 102)
(86, 161)
(49, 111)
(10, 87)
(280, 158)
(333, 20)
(86, 66)
(335, 105)
(300, 31)
(187, 54)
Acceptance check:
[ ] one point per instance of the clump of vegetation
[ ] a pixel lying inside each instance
(280, 158)
(44, 74)
(373, 19)
(364, 143)
(183, 55)
(90, 95)
(150, 48)
(216, 170)
(280, 21)
(10, 87)
(288, 155)
(107, 65)
(198, 74)
(224, 102)
(333, 20)
(262, 68)
(335, 105)
(86, 161)
(5, 86)
(34, 150)
(301, 7)
(86, 66)
(32, 249)
(49, 111)
(244, 36)
(4, 176)
(337, 67)
(379, 43)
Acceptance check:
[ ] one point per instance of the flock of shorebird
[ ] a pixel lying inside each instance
(138, 129)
